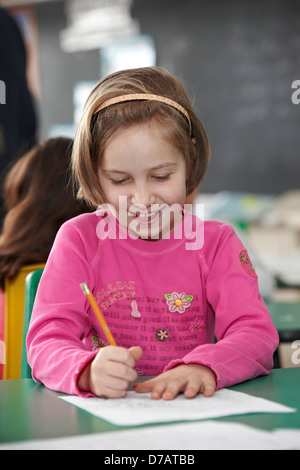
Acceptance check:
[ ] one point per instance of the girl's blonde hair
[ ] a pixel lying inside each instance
(95, 129)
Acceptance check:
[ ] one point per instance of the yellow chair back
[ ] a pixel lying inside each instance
(14, 321)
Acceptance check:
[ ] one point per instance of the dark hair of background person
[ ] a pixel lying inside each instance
(18, 117)
(39, 199)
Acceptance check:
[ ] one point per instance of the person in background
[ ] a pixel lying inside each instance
(39, 199)
(18, 119)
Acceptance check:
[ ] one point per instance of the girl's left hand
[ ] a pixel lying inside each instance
(188, 378)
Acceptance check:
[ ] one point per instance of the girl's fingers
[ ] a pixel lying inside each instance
(192, 389)
(160, 388)
(120, 371)
(144, 387)
(209, 390)
(136, 352)
(157, 391)
(154, 386)
(111, 393)
(168, 388)
(116, 383)
(173, 387)
(112, 380)
(117, 354)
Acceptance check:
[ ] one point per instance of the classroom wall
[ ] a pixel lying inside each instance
(237, 59)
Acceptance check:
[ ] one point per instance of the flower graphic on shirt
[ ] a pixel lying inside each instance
(196, 324)
(97, 342)
(244, 258)
(178, 302)
(162, 334)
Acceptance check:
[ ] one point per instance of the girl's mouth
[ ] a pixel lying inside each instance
(145, 217)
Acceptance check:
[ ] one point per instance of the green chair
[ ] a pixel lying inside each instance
(31, 284)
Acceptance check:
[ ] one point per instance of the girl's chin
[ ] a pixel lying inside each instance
(145, 230)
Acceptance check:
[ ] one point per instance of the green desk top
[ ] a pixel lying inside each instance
(286, 318)
(30, 411)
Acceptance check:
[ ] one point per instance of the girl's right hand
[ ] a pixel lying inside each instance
(111, 372)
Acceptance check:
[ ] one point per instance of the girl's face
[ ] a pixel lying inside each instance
(144, 178)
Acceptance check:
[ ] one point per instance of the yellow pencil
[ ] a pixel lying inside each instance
(98, 313)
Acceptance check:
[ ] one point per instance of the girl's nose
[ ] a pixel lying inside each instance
(142, 195)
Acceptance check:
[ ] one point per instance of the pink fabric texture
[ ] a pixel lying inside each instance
(170, 299)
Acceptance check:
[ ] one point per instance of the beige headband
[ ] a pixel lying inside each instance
(145, 96)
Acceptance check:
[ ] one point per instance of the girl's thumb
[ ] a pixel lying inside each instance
(136, 352)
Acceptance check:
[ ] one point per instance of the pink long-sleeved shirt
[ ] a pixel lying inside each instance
(172, 297)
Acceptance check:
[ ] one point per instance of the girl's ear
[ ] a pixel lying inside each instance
(194, 140)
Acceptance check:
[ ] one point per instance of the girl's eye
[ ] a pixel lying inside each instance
(159, 178)
(120, 181)
(162, 177)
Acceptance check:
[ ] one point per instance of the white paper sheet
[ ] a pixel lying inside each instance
(204, 435)
(139, 408)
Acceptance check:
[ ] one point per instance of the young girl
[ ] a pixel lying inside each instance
(166, 282)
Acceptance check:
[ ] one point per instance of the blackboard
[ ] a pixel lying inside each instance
(238, 60)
